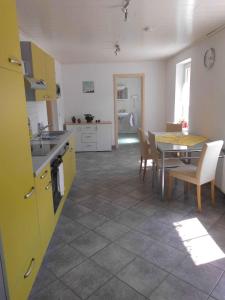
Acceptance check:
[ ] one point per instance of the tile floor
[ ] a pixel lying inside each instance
(116, 240)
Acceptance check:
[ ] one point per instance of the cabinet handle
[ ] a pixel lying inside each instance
(48, 186)
(15, 61)
(29, 194)
(29, 271)
(44, 175)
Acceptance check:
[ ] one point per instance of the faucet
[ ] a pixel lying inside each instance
(41, 128)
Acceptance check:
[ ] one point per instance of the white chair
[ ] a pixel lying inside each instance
(144, 151)
(202, 173)
(168, 163)
(173, 127)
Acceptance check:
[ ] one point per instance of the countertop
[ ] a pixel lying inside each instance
(39, 162)
(90, 123)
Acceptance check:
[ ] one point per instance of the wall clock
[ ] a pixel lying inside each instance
(209, 58)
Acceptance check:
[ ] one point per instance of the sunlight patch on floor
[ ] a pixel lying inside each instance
(198, 242)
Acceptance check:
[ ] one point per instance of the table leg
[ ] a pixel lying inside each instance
(163, 177)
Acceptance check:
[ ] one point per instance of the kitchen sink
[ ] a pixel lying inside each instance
(51, 135)
(41, 149)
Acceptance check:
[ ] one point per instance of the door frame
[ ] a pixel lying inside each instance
(141, 76)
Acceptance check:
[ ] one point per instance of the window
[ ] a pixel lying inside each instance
(182, 98)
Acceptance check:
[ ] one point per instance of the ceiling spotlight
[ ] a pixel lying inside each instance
(117, 49)
(125, 9)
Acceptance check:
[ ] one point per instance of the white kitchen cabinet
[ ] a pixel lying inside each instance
(92, 137)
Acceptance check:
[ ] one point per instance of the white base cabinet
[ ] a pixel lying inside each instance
(92, 137)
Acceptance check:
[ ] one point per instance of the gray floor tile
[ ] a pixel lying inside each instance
(155, 229)
(113, 258)
(203, 277)
(173, 288)
(145, 208)
(131, 219)
(74, 211)
(44, 278)
(164, 256)
(112, 230)
(116, 290)
(125, 201)
(135, 242)
(67, 230)
(62, 260)
(55, 291)
(219, 291)
(168, 217)
(86, 278)
(89, 243)
(142, 276)
(92, 220)
(109, 211)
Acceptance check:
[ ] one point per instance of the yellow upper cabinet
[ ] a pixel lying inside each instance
(10, 54)
(41, 67)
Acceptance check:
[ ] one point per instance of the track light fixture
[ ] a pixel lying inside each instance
(125, 9)
(117, 49)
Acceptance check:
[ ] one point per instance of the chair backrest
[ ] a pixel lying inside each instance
(173, 127)
(144, 147)
(206, 169)
(152, 143)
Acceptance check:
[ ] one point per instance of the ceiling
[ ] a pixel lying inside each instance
(85, 31)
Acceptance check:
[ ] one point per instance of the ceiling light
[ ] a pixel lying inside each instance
(117, 49)
(125, 9)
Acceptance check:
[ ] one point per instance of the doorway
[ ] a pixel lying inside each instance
(128, 107)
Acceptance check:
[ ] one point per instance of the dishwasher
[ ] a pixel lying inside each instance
(56, 176)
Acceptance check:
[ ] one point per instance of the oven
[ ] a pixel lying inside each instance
(57, 176)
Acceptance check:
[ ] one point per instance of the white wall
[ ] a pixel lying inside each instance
(101, 103)
(207, 91)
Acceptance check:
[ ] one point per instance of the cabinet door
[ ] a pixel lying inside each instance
(50, 75)
(45, 206)
(10, 55)
(104, 137)
(39, 70)
(18, 207)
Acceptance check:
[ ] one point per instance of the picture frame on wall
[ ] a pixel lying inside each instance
(88, 87)
(122, 92)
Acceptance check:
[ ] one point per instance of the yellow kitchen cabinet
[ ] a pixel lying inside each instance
(10, 55)
(50, 75)
(43, 187)
(69, 165)
(18, 205)
(39, 70)
(40, 66)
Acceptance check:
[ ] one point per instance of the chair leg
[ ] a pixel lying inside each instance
(145, 165)
(213, 192)
(140, 169)
(199, 200)
(170, 186)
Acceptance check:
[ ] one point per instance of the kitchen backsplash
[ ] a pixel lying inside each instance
(37, 113)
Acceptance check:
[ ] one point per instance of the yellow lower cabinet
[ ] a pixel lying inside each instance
(20, 239)
(45, 206)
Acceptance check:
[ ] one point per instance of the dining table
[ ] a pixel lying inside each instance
(177, 142)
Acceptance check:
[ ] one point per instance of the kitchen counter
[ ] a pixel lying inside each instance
(39, 162)
(90, 123)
